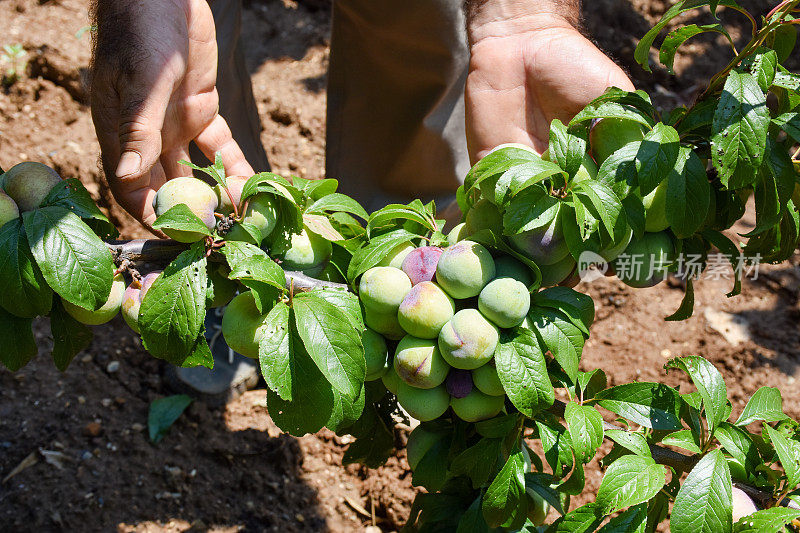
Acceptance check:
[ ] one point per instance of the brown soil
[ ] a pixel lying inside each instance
(231, 469)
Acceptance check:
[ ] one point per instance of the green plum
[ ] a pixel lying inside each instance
(243, 326)
(464, 269)
(28, 183)
(308, 253)
(423, 404)
(8, 209)
(382, 289)
(557, 272)
(505, 301)
(644, 261)
(468, 340)
(261, 214)
(458, 233)
(195, 194)
(477, 406)
(611, 134)
(508, 267)
(484, 215)
(397, 255)
(386, 324)
(106, 312)
(376, 354)
(655, 208)
(487, 381)
(391, 380)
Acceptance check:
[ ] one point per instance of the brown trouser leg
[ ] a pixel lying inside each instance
(395, 97)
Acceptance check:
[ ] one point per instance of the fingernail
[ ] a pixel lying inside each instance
(129, 164)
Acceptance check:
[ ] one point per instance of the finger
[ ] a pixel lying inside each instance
(170, 161)
(217, 138)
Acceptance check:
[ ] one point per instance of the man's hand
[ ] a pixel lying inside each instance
(526, 70)
(153, 92)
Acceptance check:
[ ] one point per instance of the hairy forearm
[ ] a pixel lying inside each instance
(488, 18)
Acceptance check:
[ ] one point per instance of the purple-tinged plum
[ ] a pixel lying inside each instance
(424, 310)
(487, 381)
(106, 312)
(558, 272)
(468, 340)
(423, 404)
(505, 301)
(544, 245)
(28, 183)
(458, 383)
(235, 187)
(742, 504)
(382, 289)
(420, 264)
(195, 194)
(477, 406)
(419, 363)
(464, 269)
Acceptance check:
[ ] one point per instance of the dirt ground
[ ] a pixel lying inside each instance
(90, 466)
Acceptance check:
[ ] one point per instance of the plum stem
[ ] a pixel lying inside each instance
(230, 196)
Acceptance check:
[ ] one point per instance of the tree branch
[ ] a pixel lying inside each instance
(162, 251)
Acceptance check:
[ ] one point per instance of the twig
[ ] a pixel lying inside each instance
(163, 251)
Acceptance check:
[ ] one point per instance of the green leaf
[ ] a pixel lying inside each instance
(374, 440)
(163, 413)
(530, 209)
(503, 497)
(709, 384)
(604, 200)
(70, 337)
(566, 148)
(790, 123)
(729, 250)
(686, 309)
(71, 194)
(346, 411)
(628, 481)
(523, 371)
(585, 426)
(581, 520)
(652, 405)
(618, 171)
(677, 37)
(688, 194)
(478, 461)
(771, 520)
(472, 520)
(590, 383)
(578, 307)
(560, 336)
(633, 442)
(23, 290)
(216, 170)
(634, 520)
(17, 345)
(174, 309)
(788, 453)
(766, 404)
(74, 261)
(739, 444)
(332, 342)
(616, 103)
(740, 129)
(375, 250)
(683, 439)
(338, 202)
(431, 472)
(181, 218)
(275, 351)
(763, 65)
(393, 212)
(521, 176)
(657, 156)
(542, 484)
(249, 263)
(704, 502)
(322, 226)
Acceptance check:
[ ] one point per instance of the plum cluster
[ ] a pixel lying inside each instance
(442, 310)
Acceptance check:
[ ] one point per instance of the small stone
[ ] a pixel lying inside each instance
(112, 367)
(666, 354)
(86, 359)
(105, 402)
(86, 455)
(81, 400)
(300, 518)
(137, 427)
(93, 429)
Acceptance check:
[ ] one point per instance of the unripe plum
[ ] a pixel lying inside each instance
(423, 404)
(537, 507)
(482, 216)
(420, 264)
(419, 362)
(28, 183)
(468, 340)
(508, 267)
(424, 310)
(384, 323)
(397, 255)
(375, 353)
(308, 253)
(487, 381)
(106, 312)
(614, 251)
(558, 272)
(391, 380)
(235, 186)
(458, 233)
(611, 134)
(464, 269)
(262, 212)
(644, 260)
(221, 288)
(197, 195)
(505, 302)
(655, 208)
(544, 245)
(8, 209)
(742, 505)
(243, 326)
(420, 441)
(477, 406)
(382, 289)
(458, 383)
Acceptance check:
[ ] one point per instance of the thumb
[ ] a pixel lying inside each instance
(141, 119)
